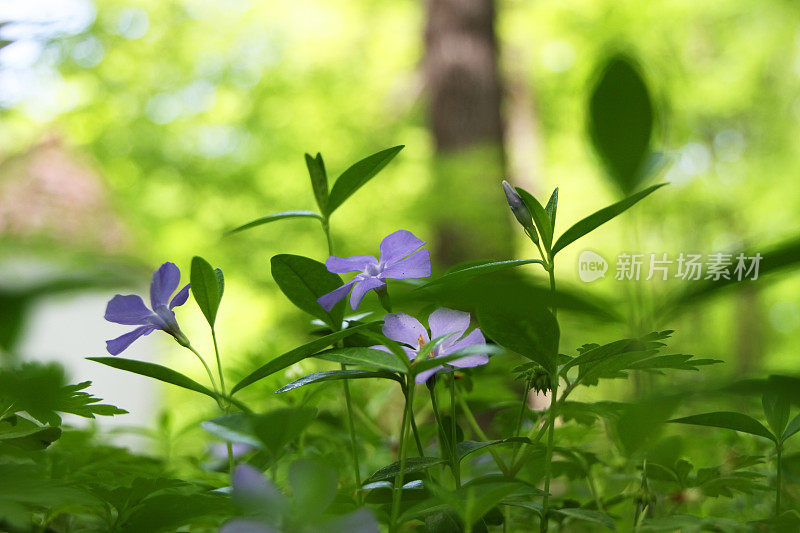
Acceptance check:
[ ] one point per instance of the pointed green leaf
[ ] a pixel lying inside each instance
(357, 175)
(220, 281)
(152, 370)
(206, 288)
(334, 375)
(467, 447)
(792, 428)
(464, 274)
(597, 219)
(303, 281)
(319, 181)
(776, 410)
(413, 464)
(358, 355)
(728, 420)
(298, 354)
(588, 515)
(621, 118)
(552, 207)
(236, 428)
(273, 218)
(540, 217)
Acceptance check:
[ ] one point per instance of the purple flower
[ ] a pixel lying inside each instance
(407, 330)
(401, 258)
(131, 310)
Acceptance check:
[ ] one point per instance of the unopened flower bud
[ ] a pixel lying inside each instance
(520, 211)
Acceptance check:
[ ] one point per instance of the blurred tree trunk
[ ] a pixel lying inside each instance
(464, 100)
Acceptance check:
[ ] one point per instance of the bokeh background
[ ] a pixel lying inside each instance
(137, 132)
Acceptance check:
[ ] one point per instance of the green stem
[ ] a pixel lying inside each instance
(227, 409)
(481, 435)
(453, 444)
(778, 481)
(208, 371)
(551, 422)
(346, 389)
(398, 480)
(416, 435)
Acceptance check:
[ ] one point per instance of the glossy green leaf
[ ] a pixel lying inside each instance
(413, 464)
(791, 428)
(533, 333)
(358, 355)
(621, 118)
(274, 218)
(467, 273)
(357, 175)
(207, 287)
(303, 281)
(552, 207)
(152, 370)
(319, 181)
(776, 410)
(728, 420)
(335, 375)
(597, 219)
(540, 217)
(298, 354)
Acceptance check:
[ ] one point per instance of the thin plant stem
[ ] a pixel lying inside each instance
(551, 413)
(453, 453)
(778, 480)
(398, 480)
(416, 435)
(208, 371)
(444, 445)
(227, 409)
(346, 389)
(481, 435)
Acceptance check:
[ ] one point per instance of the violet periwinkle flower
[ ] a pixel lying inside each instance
(131, 310)
(408, 331)
(401, 258)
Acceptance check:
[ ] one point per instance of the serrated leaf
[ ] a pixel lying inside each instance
(597, 219)
(728, 420)
(152, 370)
(303, 281)
(298, 354)
(357, 175)
(206, 288)
(273, 218)
(334, 375)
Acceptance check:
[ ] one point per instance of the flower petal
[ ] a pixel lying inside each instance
(425, 375)
(414, 267)
(398, 245)
(474, 338)
(180, 298)
(165, 281)
(404, 328)
(361, 289)
(444, 321)
(327, 301)
(129, 310)
(340, 265)
(118, 345)
(244, 525)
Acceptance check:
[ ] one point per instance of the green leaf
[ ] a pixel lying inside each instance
(298, 354)
(423, 363)
(25, 434)
(236, 428)
(413, 464)
(313, 488)
(358, 355)
(540, 217)
(319, 181)
(272, 218)
(357, 175)
(588, 515)
(333, 375)
(776, 410)
(792, 428)
(593, 221)
(621, 122)
(464, 274)
(303, 281)
(207, 288)
(729, 420)
(552, 207)
(467, 447)
(152, 370)
(532, 333)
